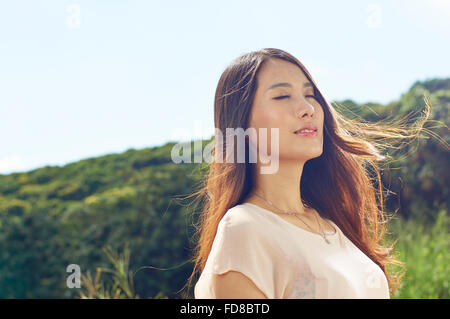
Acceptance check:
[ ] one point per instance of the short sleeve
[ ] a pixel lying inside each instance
(240, 246)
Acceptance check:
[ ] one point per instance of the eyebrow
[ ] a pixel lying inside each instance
(286, 84)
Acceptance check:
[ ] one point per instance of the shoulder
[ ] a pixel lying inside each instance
(240, 221)
(240, 217)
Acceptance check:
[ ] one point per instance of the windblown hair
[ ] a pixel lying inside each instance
(338, 184)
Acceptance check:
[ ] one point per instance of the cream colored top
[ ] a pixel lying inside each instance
(286, 261)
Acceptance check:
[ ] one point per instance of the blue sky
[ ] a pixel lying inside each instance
(84, 78)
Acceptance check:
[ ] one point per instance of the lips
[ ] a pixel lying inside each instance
(306, 127)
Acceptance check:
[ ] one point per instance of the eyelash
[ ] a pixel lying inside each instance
(284, 96)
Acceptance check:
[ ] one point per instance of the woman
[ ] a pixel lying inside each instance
(312, 227)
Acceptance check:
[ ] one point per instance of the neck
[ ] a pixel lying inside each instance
(282, 188)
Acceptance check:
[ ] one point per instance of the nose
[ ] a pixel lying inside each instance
(304, 109)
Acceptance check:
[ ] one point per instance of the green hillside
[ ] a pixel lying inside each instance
(55, 216)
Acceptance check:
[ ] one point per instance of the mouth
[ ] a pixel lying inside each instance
(306, 133)
(309, 130)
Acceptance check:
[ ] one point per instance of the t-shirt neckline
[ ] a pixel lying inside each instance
(296, 227)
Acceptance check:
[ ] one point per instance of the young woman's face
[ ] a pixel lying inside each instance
(287, 107)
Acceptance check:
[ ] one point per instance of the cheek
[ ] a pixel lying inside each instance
(267, 117)
(322, 118)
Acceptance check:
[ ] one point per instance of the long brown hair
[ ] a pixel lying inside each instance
(338, 184)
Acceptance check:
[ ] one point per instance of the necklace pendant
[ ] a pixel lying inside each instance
(326, 240)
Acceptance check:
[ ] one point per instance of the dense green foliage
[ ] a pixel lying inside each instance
(55, 216)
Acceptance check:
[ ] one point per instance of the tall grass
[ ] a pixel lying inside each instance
(120, 286)
(425, 251)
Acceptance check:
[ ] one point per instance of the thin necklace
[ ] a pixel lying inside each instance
(296, 215)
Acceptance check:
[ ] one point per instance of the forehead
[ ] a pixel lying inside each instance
(278, 70)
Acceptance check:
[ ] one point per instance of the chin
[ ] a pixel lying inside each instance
(303, 156)
(299, 157)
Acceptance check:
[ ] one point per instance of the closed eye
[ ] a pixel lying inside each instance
(288, 96)
(281, 97)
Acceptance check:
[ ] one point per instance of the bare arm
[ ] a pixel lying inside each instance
(235, 285)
